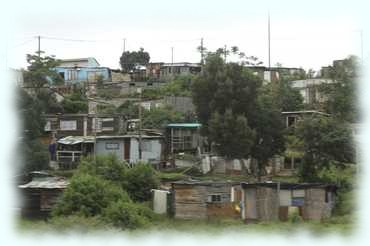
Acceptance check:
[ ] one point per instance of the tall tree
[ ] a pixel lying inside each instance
(327, 142)
(40, 70)
(34, 153)
(342, 94)
(235, 115)
(129, 60)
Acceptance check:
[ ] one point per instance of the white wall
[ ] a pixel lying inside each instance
(155, 153)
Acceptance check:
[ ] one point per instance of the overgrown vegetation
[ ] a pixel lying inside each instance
(106, 189)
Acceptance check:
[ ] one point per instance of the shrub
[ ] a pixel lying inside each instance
(139, 181)
(87, 195)
(127, 215)
(105, 166)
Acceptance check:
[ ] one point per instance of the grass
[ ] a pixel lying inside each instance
(342, 225)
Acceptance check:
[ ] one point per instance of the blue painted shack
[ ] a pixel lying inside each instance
(79, 70)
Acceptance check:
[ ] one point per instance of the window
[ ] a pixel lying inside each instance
(219, 198)
(111, 146)
(71, 75)
(68, 125)
(215, 198)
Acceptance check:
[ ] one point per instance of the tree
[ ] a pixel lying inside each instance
(342, 94)
(88, 195)
(75, 103)
(40, 71)
(129, 60)
(160, 117)
(240, 120)
(269, 129)
(232, 135)
(139, 180)
(326, 142)
(35, 155)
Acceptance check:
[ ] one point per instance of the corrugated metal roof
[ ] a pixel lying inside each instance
(46, 183)
(291, 186)
(128, 136)
(70, 140)
(185, 125)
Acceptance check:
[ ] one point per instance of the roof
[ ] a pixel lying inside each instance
(181, 64)
(306, 112)
(70, 140)
(184, 125)
(79, 59)
(288, 186)
(309, 82)
(205, 182)
(46, 183)
(128, 136)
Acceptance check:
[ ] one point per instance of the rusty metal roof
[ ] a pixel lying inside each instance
(46, 183)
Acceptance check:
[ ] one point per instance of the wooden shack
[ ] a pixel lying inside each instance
(272, 200)
(40, 195)
(205, 199)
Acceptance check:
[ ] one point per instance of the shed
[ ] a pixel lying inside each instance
(41, 194)
(126, 147)
(205, 199)
(183, 137)
(272, 200)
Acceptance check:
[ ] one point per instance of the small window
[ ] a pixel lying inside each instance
(149, 84)
(132, 84)
(111, 146)
(215, 198)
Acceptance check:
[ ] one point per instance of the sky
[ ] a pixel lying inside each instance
(307, 34)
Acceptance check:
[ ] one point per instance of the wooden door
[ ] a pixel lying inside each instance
(126, 151)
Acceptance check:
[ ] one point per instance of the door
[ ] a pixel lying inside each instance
(126, 151)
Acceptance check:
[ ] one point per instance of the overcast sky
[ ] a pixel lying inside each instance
(307, 34)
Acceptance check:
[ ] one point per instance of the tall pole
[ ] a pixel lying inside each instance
(172, 55)
(140, 141)
(39, 45)
(201, 52)
(269, 41)
(225, 51)
(362, 47)
(124, 45)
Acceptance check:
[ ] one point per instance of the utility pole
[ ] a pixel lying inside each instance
(172, 55)
(140, 140)
(225, 53)
(39, 45)
(124, 45)
(201, 52)
(362, 47)
(269, 41)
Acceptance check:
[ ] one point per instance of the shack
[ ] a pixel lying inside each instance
(40, 195)
(205, 199)
(70, 150)
(126, 147)
(183, 137)
(272, 200)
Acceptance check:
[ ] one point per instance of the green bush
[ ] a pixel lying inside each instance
(87, 195)
(106, 166)
(139, 180)
(127, 215)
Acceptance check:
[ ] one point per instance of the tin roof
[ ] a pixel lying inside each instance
(184, 125)
(46, 183)
(70, 140)
(206, 182)
(289, 186)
